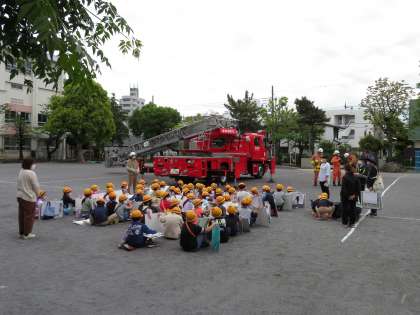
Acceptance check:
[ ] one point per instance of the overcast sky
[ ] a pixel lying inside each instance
(195, 52)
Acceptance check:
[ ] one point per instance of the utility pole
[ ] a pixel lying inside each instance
(273, 145)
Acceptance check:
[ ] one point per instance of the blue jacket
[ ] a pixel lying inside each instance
(99, 214)
(137, 198)
(135, 231)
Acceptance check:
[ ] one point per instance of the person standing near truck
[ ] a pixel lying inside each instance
(316, 164)
(336, 163)
(133, 171)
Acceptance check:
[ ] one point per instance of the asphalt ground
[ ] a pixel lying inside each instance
(296, 266)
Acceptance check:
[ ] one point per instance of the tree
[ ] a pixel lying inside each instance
(328, 147)
(61, 36)
(120, 121)
(311, 120)
(371, 143)
(246, 112)
(87, 117)
(386, 107)
(152, 120)
(187, 120)
(280, 121)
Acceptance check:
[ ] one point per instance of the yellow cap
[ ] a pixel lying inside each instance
(197, 202)
(87, 192)
(190, 196)
(216, 212)
(155, 186)
(242, 185)
(124, 184)
(213, 185)
(254, 190)
(191, 216)
(205, 193)
(180, 182)
(231, 209)
(218, 191)
(290, 189)
(112, 195)
(174, 202)
(139, 191)
(176, 210)
(147, 198)
(109, 185)
(231, 190)
(42, 193)
(162, 183)
(266, 188)
(67, 189)
(323, 196)
(279, 187)
(136, 214)
(122, 198)
(220, 199)
(246, 201)
(226, 197)
(109, 189)
(94, 187)
(190, 186)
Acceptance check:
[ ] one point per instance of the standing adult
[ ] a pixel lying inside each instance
(316, 164)
(350, 191)
(27, 192)
(324, 176)
(133, 171)
(372, 174)
(336, 163)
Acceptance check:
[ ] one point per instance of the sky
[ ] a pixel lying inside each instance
(196, 52)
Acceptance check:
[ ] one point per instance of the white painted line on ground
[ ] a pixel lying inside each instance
(367, 212)
(397, 218)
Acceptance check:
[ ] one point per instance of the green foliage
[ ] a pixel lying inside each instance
(328, 147)
(386, 106)
(120, 119)
(246, 111)
(311, 122)
(371, 143)
(152, 120)
(84, 111)
(62, 36)
(344, 147)
(188, 120)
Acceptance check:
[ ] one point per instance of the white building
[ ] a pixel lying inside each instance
(347, 126)
(131, 102)
(15, 98)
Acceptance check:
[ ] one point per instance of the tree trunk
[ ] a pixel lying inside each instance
(79, 153)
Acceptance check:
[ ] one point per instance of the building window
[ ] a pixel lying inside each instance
(26, 117)
(17, 86)
(12, 143)
(42, 119)
(9, 116)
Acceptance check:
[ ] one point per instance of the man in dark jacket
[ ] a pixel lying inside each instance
(350, 191)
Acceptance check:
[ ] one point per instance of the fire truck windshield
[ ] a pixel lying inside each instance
(218, 143)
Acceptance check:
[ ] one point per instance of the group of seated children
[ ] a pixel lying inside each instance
(187, 212)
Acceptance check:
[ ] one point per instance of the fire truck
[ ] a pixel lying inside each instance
(210, 149)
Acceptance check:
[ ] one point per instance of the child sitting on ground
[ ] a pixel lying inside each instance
(87, 204)
(247, 211)
(98, 215)
(124, 187)
(279, 197)
(172, 223)
(68, 202)
(232, 220)
(95, 192)
(290, 199)
(218, 219)
(134, 237)
(192, 236)
(138, 196)
(40, 200)
(111, 204)
(122, 210)
(197, 207)
(322, 207)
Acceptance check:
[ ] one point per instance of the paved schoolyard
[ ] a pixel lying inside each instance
(297, 266)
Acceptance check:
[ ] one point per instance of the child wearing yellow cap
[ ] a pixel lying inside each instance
(172, 223)
(322, 207)
(87, 204)
(68, 201)
(192, 236)
(279, 197)
(134, 237)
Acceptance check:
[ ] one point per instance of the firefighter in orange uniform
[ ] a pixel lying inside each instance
(316, 164)
(336, 163)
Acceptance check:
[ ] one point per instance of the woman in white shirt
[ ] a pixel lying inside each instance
(27, 193)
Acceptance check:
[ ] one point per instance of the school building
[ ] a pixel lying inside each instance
(17, 101)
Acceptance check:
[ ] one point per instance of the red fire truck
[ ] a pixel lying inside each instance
(207, 150)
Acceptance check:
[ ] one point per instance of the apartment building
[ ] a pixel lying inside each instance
(131, 102)
(16, 100)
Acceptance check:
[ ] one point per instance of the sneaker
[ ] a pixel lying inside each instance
(29, 236)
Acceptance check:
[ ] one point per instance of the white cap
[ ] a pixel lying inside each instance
(321, 150)
(346, 155)
(132, 154)
(336, 152)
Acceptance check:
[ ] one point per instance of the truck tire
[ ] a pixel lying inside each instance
(261, 171)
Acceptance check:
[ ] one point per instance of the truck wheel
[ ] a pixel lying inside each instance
(261, 172)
